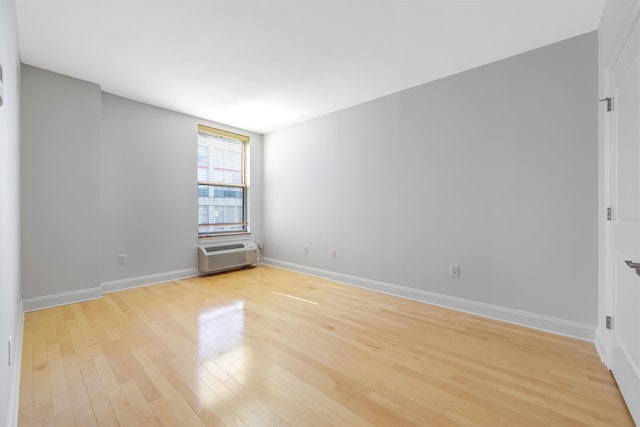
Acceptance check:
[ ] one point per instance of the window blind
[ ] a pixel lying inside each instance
(222, 181)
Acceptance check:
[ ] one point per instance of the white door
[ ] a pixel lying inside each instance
(625, 226)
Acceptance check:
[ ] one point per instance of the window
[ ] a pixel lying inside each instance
(222, 182)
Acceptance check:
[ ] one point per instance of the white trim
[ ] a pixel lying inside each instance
(603, 336)
(47, 301)
(14, 382)
(523, 318)
(135, 282)
(601, 346)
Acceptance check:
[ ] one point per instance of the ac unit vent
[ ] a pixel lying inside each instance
(226, 256)
(225, 247)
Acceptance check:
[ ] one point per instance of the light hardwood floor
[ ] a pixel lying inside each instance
(268, 347)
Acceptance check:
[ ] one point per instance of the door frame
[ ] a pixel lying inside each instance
(603, 338)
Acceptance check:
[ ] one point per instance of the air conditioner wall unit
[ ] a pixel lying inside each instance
(223, 256)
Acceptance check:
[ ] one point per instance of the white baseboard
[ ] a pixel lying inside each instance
(16, 364)
(601, 346)
(135, 282)
(48, 301)
(518, 317)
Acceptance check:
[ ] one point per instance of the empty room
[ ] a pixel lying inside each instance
(320, 213)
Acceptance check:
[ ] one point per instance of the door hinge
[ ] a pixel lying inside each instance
(608, 100)
(609, 322)
(608, 214)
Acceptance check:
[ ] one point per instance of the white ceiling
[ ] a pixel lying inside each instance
(264, 64)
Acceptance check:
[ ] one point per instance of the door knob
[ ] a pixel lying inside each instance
(634, 265)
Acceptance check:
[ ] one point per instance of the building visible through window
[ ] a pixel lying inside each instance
(222, 182)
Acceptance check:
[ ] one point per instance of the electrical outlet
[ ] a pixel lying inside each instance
(122, 259)
(454, 270)
(333, 253)
(305, 249)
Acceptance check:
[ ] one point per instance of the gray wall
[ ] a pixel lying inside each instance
(60, 183)
(101, 176)
(494, 169)
(149, 189)
(10, 309)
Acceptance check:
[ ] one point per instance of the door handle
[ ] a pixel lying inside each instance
(634, 265)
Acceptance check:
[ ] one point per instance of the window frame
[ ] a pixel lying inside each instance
(227, 137)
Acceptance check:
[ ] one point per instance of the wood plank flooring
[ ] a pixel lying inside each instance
(269, 347)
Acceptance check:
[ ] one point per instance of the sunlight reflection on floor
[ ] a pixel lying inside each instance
(221, 350)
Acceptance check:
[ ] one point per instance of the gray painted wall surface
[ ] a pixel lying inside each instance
(102, 176)
(494, 169)
(60, 183)
(149, 207)
(10, 311)
(149, 188)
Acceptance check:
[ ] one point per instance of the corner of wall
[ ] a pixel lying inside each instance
(16, 365)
